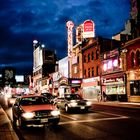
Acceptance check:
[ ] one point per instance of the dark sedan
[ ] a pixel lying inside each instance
(73, 102)
(49, 96)
(34, 110)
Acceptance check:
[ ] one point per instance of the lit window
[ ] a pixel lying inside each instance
(115, 63)
(109, 64)
(105, 67)
(75, 69)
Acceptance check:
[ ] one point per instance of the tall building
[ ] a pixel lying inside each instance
(132, 26)
(44, 63)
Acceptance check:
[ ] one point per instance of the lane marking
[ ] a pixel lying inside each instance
(107, 113)
(69, 117)
(94, 120)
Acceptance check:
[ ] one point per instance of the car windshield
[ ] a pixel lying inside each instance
(34, 101)
(73, 97)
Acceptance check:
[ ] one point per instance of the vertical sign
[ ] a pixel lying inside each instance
(70, 26)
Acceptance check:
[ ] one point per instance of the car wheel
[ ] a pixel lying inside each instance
(66, 108)
(21, 123)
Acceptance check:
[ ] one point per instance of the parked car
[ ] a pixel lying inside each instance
(72, 102)
(34, 110)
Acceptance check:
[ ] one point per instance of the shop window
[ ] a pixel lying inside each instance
(89, 57)
(92, 55)
(132, 59)
(138, 58)
(135, 88)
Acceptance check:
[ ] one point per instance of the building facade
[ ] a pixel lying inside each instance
(133, 69)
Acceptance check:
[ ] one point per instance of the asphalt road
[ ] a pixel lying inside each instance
(101, 123)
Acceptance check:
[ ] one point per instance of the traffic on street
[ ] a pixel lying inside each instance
(100, 122)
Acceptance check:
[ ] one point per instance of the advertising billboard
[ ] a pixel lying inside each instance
(63, 67)
(38, 59)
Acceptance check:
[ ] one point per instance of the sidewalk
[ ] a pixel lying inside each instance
(119, 104)
(6, 130)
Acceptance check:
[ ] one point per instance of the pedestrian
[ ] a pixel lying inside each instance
(99, 96)
(104, 96)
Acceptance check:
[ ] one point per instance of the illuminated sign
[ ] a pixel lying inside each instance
(110, 81)
(88, 29)
(70, 26)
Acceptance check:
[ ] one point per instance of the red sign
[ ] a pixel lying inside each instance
(88, 26)
(88, 29)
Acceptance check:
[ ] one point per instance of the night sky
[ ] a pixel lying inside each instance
(22, 21)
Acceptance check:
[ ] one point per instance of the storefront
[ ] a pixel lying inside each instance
(75, 84)
(133, 85)
(91, 88)
(114, 86)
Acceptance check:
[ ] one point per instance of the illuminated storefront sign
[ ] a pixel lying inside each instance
(88, 29)
(113, 81)
(75, 82)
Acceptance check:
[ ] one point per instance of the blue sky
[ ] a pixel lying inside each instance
(22, 21)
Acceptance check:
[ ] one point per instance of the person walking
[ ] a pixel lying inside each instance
(104, 96)
(99, 96)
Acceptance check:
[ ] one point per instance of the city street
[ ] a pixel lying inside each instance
(102, 122)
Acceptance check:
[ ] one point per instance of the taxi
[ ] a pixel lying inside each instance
(34, 110)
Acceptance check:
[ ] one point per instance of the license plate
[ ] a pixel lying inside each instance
(44, 120)
(82, 107)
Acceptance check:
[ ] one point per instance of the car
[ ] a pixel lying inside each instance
(49, 96)
(34, 110)
(72, 102)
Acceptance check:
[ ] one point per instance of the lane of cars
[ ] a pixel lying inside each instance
(44, 109)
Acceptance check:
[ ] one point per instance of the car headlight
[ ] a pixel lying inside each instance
(88, 103)
(28, 115)
(55, 112)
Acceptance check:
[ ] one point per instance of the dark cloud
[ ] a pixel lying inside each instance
(22, 21)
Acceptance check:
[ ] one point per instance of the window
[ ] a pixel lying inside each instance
(138, 58)
(92, 72)
(88, 57)
(88, 72)
(75, 69)
(85, 73)
(135, 87)
(84, 58)
(132, 59)
(97, 70)
(92, 55)
(97, 54)
(78, 59)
